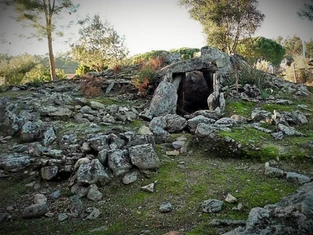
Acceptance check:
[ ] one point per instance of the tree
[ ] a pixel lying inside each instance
(99, 45)
(293, 46)
(225, 22)
(261, 48)
(307, 11)
(14, 69)
(40, 14)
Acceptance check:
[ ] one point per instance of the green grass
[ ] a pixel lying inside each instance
(242, 108)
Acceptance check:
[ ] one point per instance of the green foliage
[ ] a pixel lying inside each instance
(41, 73)
(14, 70)
(293, 46)
(40, 15)
(145, 57)
(261, 48)
(82, 70)
(99, 45)
(301, 73)
(307, 11)
(185, 52)
(225, 22)
(252, 76)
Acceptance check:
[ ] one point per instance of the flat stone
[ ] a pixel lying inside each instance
(49, 172)
(35, 211)
(298, 178)
(165, 207)
(230, 198)
(211, 206)
(40, 199)
(149, 188)
(130, 177)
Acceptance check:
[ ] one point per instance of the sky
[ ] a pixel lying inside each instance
(150, 25)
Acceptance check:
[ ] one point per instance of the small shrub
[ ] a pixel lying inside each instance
(253, 77)
(82, 70)
(91, 87)
(147, 74)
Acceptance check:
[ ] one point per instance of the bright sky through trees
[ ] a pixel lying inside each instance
(152, 25)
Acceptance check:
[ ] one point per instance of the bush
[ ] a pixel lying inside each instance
(185, 52)
(252, 76)
(91, 87)
(146, 74)
(302, 71)
(145, 57)
(82, 70)
(41, 73)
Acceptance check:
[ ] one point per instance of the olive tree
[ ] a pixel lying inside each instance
(225, 22)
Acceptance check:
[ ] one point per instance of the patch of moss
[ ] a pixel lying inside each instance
(278, 107)
(242, 108)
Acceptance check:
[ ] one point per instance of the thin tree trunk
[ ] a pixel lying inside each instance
(51, 59)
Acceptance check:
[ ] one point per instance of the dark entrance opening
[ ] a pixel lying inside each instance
(193, 91)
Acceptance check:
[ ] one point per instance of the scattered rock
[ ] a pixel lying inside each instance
(165, 207)
(130, 177)
(49, 172)
(94, 194)
(230, 198)
(297, 178)
(144, 157)
(94, 213)
(62, 216)
(35, 211)
(211, 206)
(40, 199)
(149, 188)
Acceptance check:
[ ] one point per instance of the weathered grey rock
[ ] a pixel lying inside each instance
(258, 127)
(144, 130)
(99, 141)
(56, 194)
(278, 135)
(150, 188)
(221, 59)
(204, 129)
(103, 156)
(76, 207)
(290, 131)
(57, 112)
(299, 117)
(49, 172)
(230, 198)
(261, 115)
(222, 102)
(239, 119)
(292, 215)
(193, 122)
(175, 122)
(119, 162)
(94, 194)
(97, 105)
(32, 131)
(227, 122)
(205, 113)
(92, 173)
(178, 144)
(297, 178)
(94, 213)
(273, 171)
(144, 157)
(164, 100)
(14, 162)
(213, 101)
(49, 136)
(80, 191)
(40, 199)
(211, 206)
(226, 222)
(158, 125)
(62, 216)
(85, 109)
(251, 91)
(130, 177)
(165, 207)
(4, 216)
(35, 211)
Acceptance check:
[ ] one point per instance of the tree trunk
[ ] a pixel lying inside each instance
(51, 59)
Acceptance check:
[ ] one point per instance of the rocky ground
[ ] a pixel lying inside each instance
(72, 165)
